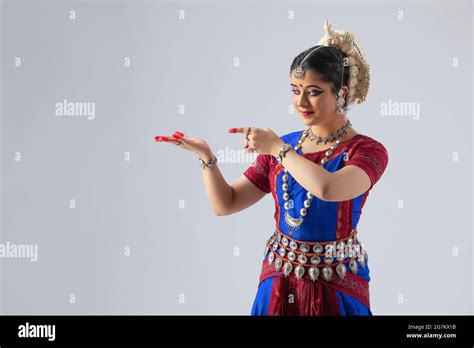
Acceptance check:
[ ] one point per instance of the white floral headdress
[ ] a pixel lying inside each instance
(359, 70)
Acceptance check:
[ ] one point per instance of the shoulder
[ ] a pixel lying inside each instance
(367, 143)
(370, 155)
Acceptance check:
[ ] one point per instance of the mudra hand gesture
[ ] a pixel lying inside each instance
(262, 140)
(196, 145)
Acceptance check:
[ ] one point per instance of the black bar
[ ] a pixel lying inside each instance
(308, 331)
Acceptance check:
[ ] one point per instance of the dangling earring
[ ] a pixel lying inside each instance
(340, 102)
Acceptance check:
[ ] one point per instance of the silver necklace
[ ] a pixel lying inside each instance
(292, 222)
(331, 137)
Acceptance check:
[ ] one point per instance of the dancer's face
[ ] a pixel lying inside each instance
(311, 94)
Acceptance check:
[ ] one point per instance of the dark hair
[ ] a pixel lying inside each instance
(326, 62)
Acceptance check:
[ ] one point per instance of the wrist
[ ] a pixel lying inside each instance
(206, 156)
(277, 146)
(207, 162)
(283, 150)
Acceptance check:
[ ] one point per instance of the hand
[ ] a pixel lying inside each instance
(198, 146)
(262, 140)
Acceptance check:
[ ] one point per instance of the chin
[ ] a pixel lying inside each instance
(308, 120)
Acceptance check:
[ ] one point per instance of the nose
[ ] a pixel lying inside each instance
(301, 101)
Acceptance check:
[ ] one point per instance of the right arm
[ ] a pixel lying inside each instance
(228, 199)
(225, 199)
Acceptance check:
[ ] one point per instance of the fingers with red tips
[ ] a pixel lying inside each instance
(164, 138)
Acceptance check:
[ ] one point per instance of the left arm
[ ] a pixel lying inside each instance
(344, 184)
(347, 183)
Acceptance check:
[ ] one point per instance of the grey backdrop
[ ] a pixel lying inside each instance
(123, 225)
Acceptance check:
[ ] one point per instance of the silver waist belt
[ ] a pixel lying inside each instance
(292, 254)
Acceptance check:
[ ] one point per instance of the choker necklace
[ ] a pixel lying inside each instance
(292, 222)
(331, 137)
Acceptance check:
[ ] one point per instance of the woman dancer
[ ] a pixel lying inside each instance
(319, 178)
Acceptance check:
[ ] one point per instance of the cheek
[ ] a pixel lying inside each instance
(295, 99)
(318, 102)
(326, 102)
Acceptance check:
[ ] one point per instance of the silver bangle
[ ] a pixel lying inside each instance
(282, 152)
(210, 163)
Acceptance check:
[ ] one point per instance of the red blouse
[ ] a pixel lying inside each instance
(362, 151)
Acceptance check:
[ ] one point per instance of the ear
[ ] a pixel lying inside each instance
(346, 91)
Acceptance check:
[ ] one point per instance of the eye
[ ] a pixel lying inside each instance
(313, 92)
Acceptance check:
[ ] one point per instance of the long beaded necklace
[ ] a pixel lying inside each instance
(292, 222)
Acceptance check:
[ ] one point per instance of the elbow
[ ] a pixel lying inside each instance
(325, 193)
(220, 213)
(325, 189)
(225, 209)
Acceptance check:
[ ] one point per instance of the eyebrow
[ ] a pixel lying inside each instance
(308, 86)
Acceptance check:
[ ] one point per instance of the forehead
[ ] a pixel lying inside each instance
(310, 78)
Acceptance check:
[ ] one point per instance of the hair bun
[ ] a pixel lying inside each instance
(359, 70)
